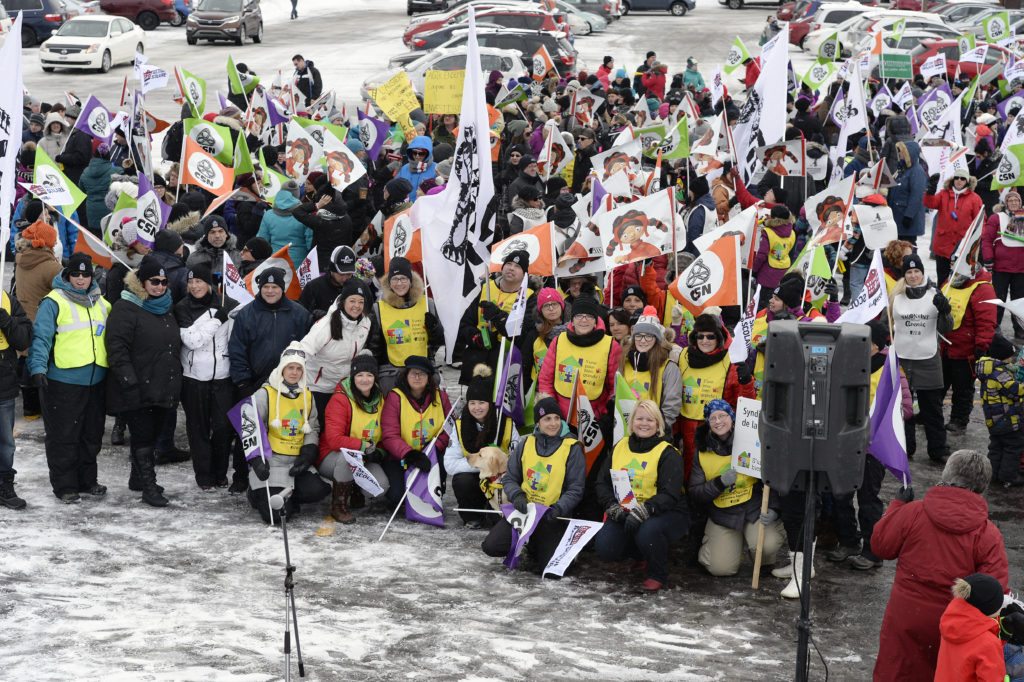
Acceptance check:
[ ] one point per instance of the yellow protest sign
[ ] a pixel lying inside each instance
(395, 97)
(442, 92)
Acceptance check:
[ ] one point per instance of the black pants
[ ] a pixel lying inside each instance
(1004, 452)
(793, 504)
(145, 425)
(650, 542)
(206, 406)
(869, 508)
(929, 402)
(321, 400)
(309, 488)
(30, 405)
(943, 266)
(1011, 283)
(912, 238)
(74, 417)
(468, 495)
(541, 546)
(959, 375)
(396, 480)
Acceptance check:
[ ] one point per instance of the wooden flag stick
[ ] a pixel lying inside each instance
(759, 551)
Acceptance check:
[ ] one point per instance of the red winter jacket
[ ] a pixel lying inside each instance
(654, 81)
(1002, 257)
(949, 230)
(630, 275)
(974, 335)
(337, 422)
(945, 536)
(746, 199)
(971, 650)
(391, 425)
(752, 72)
(546, 377)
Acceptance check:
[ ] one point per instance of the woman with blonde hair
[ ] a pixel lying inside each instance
(646, 365)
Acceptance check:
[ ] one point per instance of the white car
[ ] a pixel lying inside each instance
(94, 41)
(855, 29)
(448, 59)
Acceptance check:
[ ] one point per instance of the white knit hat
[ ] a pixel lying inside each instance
(648, 323)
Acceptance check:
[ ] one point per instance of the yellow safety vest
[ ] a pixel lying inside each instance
(419, 428)
(642, 468)
(739, 492)
(779, 248)
(959, 301)
(640, 383)
(503, 299)
(890, 282)
(759, 332)
(540, 351)
(591, 363)
(5, 305)
(506, 434)
(288, 438)
(543, 477)
(758, 374)
(364, 425)
(701, 386)
(405, 331)
(80, 332)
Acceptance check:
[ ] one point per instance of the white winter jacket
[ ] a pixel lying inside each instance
(204, 348)
(328, 360)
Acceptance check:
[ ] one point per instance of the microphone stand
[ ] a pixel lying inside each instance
(291, 619)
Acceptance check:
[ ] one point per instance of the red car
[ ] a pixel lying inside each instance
(146, 13)
(526, 18)
(929, 48)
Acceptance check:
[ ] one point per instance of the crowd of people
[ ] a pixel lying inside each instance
(352, 364)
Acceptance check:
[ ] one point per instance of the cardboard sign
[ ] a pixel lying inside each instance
(746, 443)
(442, 92)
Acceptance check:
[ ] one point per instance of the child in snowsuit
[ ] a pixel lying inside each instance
(1001, 396)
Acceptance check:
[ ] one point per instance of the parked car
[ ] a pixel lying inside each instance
(416, 6)
(146, 13)
(448, 59)
(581, 22)
(854, 30)
(520, 16)
(828, 14)
(911, 38)
(459, 14)
(740, 4)
(92, 42)
(922, 5)
(957, 12)
(974, 24)
(6, 23)
(182, 8)
(40, 18)
(609, 9)
(233, 20)
(562, 53)
(996, 56)
(676, 8)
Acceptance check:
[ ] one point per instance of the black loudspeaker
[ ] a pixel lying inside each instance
(814, 407)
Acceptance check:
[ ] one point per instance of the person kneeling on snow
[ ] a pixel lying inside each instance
(546, 468)
(292, 430)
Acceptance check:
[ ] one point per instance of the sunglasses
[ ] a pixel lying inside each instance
(157, 281)
(706, 337)
(83, 275)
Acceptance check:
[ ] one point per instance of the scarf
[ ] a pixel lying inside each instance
(155, 306)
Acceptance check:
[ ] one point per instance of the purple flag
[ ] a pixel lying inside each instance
(274, 114)
(888, 440)
(151, 212)
(599, 195)
(373, 133)
(423, 503)
(251, 429)
(510, 387)
(224, 101)
(523, 526)
(96, 120)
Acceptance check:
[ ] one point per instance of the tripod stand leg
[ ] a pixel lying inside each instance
(298, 646)
(287, 639)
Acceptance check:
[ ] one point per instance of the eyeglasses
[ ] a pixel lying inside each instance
(644, 337)
(157, 281)
(399, 279)
(582, 316)
(718, 417)
(418, 152)
(707, 337)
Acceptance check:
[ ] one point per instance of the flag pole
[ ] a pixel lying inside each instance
(759, 551)
(400, 503)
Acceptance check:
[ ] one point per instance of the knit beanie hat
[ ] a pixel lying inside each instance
(33, 209)
(259, 248)
(201, 271)
(271, 276)
(41, 235)
(879, 333)
(1001, 348)
(78, 263)
(149, 267)
(634, 290)
(211, 221)
(399, 267)
(984, 593)
(398, 189)
(354, 287)
(292, 187)
(585, 305)
(780, 212)
(520, 257)
(292, 355)
(549, 295)
(364, 362)
(912, 262)
(481, 386)
(564, 213)
(421, 363)
(178, 211)
(719, 405)
(706, 322)
(790, 292)
(649, 323)
(167, 241)
(544, 407)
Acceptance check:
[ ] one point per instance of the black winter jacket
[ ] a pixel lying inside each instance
(331, 227)
(176, 272)
(17, 329)
(76, 155)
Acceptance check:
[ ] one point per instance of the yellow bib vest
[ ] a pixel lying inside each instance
(779, 248)
(419, 428)
(506, 434)
(543, 477)
(79, 340)
(288, 438)
(405, 330)
(758, 374)
(760, 330)
(640, 383)
(503, 299)
(739, 492)
(959, 300)
(590, 362)
(540, 351)
(701, 386)
(642, 468)
(365, 425)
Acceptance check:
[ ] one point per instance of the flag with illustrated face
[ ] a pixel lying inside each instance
(555, 155)
(95, 120)
(302, 151)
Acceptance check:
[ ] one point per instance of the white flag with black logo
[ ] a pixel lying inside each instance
(11, 99)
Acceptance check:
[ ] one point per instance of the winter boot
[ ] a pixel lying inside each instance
(340, 496)
(134, 481)
(356, 500)
(145, 463)
(787, 571)
(792, 589)
(172, 456)
(117, 433)
(8, 498)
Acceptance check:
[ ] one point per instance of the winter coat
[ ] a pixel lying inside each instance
(331, 226)
(280, 228)
(391, 423)
(338, 422)
(44, 332)
(176, 271)
(734, 390)
(95, 182)
(1002, 396)
(328, 359)
(692, 78)
(17, 331)
(260, 334)
(767, 276)
(53, 143)
(897, 129)
(582, 165)
(956, 214)
(906, 199)
(575, 471)
(144, 353)
(280, 476)
(945, 536)
(429, 170)
(974, 335)
(546, 376)
(985, 168)
(994, 252)
(66, 231)
(320, 294)
(203, 253)
(524, 217)
(633, 274)
(654, 84)
(435, 333)
(695, 220)
(1013, 656)
(204, 337)
(188, 227)
(971, 650)
(669, 495)
(513, 188)
(923, 374)
(309, 82)
(34, 272)
(704, 491)
(244, 214)
(77, 154)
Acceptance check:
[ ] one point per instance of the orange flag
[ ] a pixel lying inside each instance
(94, 248)
(537, 241)
(402, 238)
(712, 279)
(202, 170)
(279, 259)
(542, 64)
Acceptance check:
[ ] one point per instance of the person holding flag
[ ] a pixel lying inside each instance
(1001, 252)
(957, 206)
(643, 527)
(646, 365)
(546, 468)
(774, 251)
(481, 433)
(550, 321)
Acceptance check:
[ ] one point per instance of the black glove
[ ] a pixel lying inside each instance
(5, 319)
(375, 456)
(832, 289)
(637, 515)
(477, 341)
(416, 458)
(941, 303)
(222, 315)
(615, 512)
(551, 514)
(307, 456)
(520, 504)
(905, 494)
(743, 372)
(260, 468)
(908, 222)
(490, 311)
(39, 380)
(933, 184)
(244, 389)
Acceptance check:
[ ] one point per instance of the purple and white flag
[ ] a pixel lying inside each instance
(274, 114)
(96, 120)
(251, 429)
(423, 503)
(509, 387)
(888, 440)
(151, 212)
(373, 133)
(599, 193)
(575, 538)
(523, 526)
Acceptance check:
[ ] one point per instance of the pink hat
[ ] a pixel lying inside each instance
(549, 295)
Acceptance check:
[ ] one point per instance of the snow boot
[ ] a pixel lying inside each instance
(117, 433)
(8, 498)
(145, 463)
(340, 496)
(787, 571)
(356, 500)
(134, 481)
(172, 456)
(792, 589)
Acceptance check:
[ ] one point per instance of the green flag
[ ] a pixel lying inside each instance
(625, 402)
(996, 27)
(242, 157)
(819, 275)
(516, 94)
(193, 88)
(738, 54)
(967, 42)
(49, 175)
(829, 49)
(819, 72)
(677, 144)
(272, 180)
(897, 29)
(1008, 172)
(970, 93)
(531, 398)
(214, 139)
(240, 83)
(651, 138)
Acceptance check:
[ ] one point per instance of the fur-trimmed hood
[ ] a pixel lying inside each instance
(120, 183)
(134, 285)
(416, 290)
(228, 122)
(776, 223)
(909, 152)
(185, 223)
(971, 184)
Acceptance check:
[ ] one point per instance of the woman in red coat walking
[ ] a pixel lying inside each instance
(945, 536)
(957, 207)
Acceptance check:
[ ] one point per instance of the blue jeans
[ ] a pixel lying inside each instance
(858, 273)
(7, 437)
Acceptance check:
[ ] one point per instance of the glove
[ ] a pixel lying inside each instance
(905, 494)
(222, 315)
(307, 456)
(743, 372)
(416, 458)
(933, 183)
(907, 222)
(490, 311)
(941, 303)
(244, 389)
(375, 456)
(728, 477)
(260, 468)
(769, 517)
(520, 504)
(5, 318)
(832, 289)
(551, 514)
(477, 341)
(615, 512)
(637, 515)
(39, 380)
